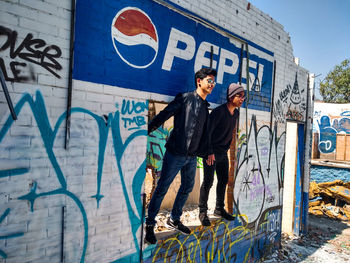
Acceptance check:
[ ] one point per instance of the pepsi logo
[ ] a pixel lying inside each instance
(135, 37)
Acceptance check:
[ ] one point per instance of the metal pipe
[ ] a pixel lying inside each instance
(241, 63)
(211, 56)
(273, 93)
(62, 234)
(69, 97)
(235, 161)
(306, 174)
(143, 215)
(247, 98)
(240, 82)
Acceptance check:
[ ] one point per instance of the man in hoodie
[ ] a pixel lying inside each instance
(222, 121)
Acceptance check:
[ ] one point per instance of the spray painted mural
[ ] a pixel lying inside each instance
(330, 120)
(125, 127)
(124, 130)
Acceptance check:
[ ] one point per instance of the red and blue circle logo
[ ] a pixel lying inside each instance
(135, 37)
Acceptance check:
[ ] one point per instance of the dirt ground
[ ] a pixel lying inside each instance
(327, 241)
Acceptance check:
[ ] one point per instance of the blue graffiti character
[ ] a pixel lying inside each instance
(328, 136)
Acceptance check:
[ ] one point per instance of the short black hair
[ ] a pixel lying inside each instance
(204, 72)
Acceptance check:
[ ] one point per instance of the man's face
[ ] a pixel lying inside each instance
(207, 84)
(238, 99)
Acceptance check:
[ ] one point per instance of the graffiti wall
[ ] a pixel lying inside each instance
(292, 99)
(84, 203)
(258, 203)
(330, 120)
(258, 182)
(60, 188)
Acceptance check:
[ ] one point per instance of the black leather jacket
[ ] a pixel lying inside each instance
(190, 113)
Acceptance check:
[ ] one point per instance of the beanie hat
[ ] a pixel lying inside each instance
(234, 89)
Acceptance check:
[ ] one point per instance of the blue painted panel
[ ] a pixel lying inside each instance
(304, 220)
(143, 45)
(298, 181)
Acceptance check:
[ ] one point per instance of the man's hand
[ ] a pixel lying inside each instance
(211, 159)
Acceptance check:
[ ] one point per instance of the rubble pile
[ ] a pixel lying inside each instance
(319, 245)
(331, 199)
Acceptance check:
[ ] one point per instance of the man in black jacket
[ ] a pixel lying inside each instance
(222, 121)
(190, 111)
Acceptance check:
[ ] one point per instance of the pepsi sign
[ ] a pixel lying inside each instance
(133, 32)
(143, 45)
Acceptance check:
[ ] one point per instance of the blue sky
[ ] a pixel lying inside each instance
(319, 31)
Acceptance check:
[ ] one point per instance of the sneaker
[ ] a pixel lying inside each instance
(222, 213)
(176, 224)
(150, 237)
(203, 217)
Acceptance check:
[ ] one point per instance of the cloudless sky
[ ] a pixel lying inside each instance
(319, 31)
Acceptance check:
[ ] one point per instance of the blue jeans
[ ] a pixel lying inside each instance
(172, 164)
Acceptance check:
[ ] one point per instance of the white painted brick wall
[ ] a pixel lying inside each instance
(109, 227)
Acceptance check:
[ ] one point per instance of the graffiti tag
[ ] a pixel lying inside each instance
(33, 50)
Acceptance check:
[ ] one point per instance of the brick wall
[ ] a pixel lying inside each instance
(88, 197)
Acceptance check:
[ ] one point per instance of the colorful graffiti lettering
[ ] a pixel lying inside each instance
(218, 243)
(222, 242)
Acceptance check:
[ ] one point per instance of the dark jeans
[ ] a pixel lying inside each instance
(221, 167)
(172, 164)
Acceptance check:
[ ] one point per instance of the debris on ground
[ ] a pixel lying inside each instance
(331, 199)
(327, 241)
